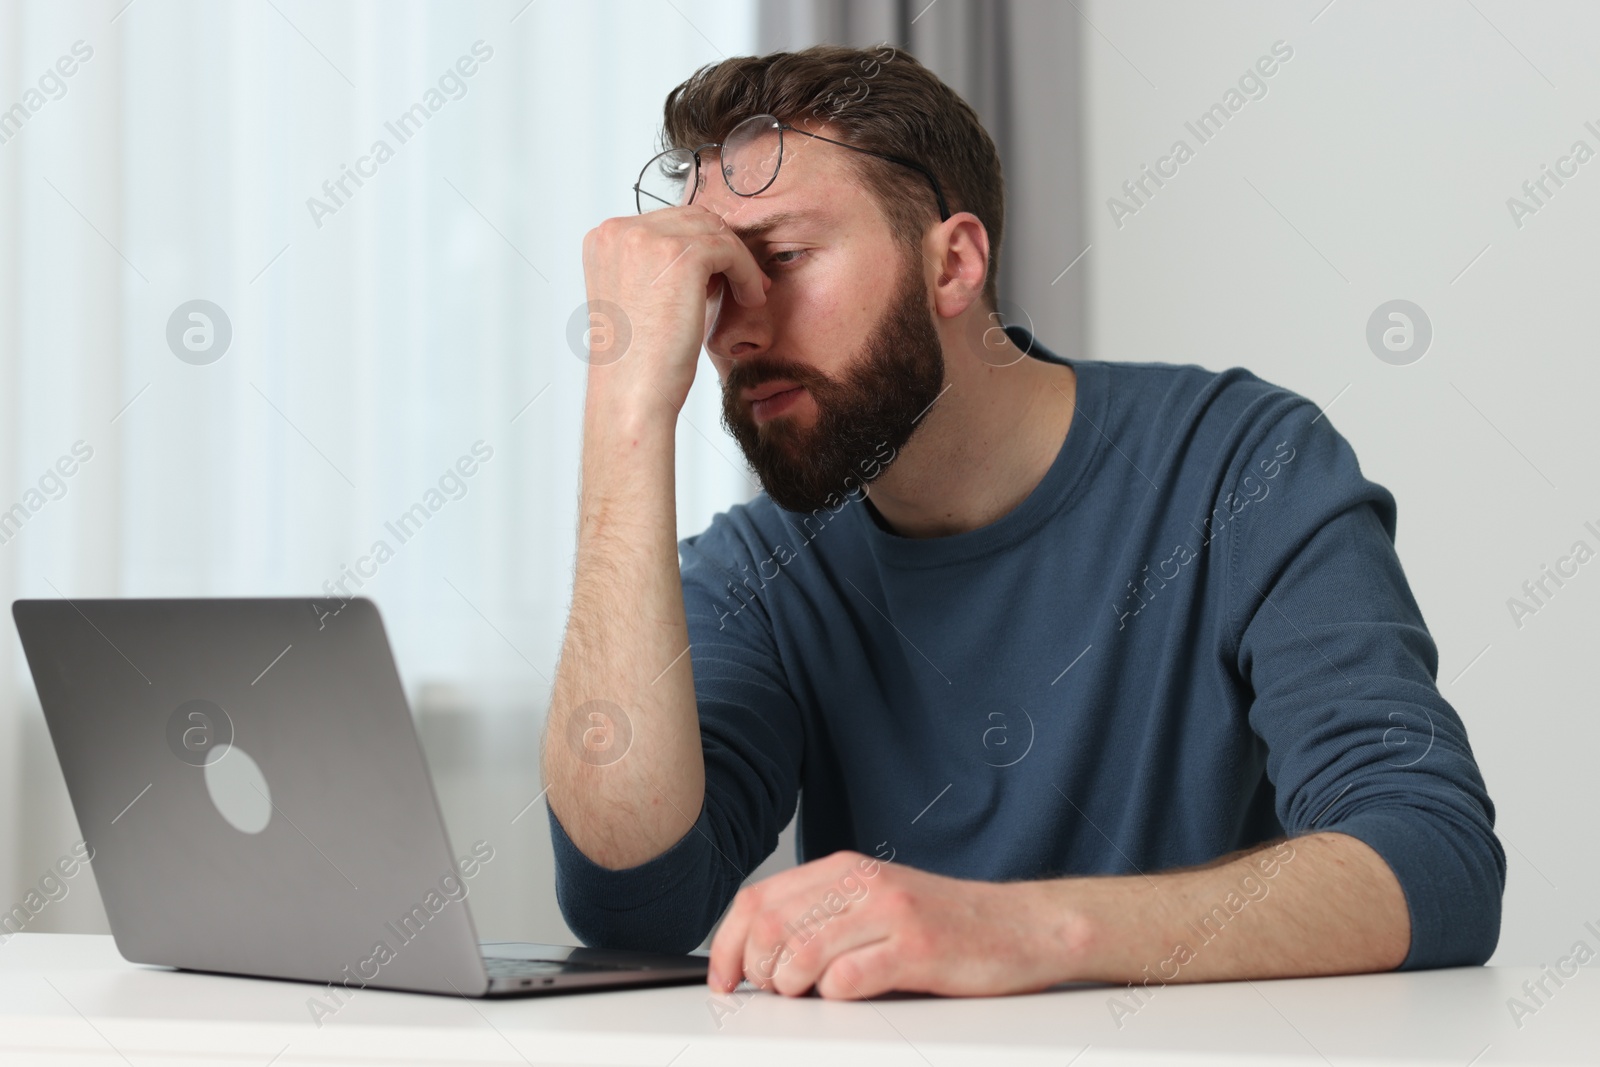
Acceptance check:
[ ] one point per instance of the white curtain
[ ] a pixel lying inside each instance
(382, 326)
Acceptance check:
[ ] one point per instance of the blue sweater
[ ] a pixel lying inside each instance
(1193, 636)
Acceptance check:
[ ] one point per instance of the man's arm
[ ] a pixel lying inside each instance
(622, 807)
(855, 927)
(1320, 904)
(622, 748)
(1342, 670)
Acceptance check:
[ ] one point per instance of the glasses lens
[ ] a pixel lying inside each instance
(751, 154)
(664, 182)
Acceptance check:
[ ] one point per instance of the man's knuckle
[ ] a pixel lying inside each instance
(635, 238)
(766, 930)
(897, 900)
(806, 956)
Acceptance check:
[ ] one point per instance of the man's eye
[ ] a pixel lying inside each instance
(783, 259)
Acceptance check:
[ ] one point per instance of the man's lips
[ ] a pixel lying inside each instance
(769, 389)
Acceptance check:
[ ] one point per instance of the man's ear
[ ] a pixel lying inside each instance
(958, 248)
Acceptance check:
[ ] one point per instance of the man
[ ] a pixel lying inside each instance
(1083, 670)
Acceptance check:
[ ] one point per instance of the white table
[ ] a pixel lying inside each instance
(70, 999)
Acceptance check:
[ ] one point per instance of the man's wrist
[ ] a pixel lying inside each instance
(1063, 929)
(644, 386)
(628, 428)
(1096, 929)
(606, 411)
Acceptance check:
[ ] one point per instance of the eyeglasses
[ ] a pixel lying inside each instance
(751, 156)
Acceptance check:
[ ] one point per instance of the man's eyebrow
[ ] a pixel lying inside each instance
(758, 230)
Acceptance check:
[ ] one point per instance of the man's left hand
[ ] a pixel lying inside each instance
(852, 926)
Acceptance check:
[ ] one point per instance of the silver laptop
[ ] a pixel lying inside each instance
(249, 779)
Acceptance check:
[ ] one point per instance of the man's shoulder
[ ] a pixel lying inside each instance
(1230, 429)
(1182, 423)
(1150, 386)
(1166, 400)
(1231, 388)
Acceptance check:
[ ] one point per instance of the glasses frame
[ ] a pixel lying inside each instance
(782, 127)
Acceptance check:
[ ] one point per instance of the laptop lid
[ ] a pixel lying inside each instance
(249, 778)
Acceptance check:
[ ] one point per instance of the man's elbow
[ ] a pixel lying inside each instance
(1467, 907)
(638, 930)
(1483, 922)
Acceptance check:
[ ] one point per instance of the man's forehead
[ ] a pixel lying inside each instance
(753, 225)
(790, 204)
(810, 189)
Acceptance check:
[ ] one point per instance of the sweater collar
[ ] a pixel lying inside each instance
(1060, 487)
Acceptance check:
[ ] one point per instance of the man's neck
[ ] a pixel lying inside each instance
(983, 446)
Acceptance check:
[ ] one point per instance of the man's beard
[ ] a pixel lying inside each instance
(862, 421)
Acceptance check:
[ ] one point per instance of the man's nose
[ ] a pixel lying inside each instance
(738, 332)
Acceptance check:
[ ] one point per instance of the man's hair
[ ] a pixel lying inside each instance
(879, 99)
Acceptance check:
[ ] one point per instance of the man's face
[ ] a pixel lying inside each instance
(824, 384)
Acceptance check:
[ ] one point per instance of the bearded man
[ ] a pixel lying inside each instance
(1075, 670)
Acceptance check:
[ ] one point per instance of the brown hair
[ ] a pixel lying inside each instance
(880, 99)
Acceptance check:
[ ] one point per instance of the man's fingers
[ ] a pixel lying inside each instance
(752, 941)
(746, 281)
(775, 925)
(731, 259)
(727, 948)
(814, 948)
(781, 933)
(724, 253)
(869, 971)
(681, 220)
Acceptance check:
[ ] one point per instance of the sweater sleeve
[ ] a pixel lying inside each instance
(1342, 669)
(751, 736)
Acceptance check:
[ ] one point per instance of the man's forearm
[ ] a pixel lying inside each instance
(628, 784)
(1320, 904)
(625, 677)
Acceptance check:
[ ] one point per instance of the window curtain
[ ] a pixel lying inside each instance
(373, 321)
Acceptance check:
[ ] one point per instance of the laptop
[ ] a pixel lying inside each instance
(248, 777)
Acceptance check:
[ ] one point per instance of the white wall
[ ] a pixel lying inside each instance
(1378, 167)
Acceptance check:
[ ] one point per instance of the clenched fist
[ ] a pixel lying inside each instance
(661, 269)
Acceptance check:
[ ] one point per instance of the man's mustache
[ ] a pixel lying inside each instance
(749, 375)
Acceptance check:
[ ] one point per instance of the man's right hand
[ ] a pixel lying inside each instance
(662, 269)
